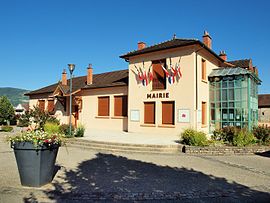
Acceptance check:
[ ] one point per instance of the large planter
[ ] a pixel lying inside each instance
(36, 165)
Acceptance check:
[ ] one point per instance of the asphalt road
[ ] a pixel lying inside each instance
(92, 176)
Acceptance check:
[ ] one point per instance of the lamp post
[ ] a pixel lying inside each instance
(71, 68)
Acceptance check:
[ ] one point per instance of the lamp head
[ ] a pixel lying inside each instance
(71, 68)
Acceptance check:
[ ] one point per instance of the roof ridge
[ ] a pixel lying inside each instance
(240, 60)
(184, 39)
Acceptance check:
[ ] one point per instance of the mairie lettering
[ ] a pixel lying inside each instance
(157, 95)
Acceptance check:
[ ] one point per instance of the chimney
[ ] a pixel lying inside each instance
(223, 55)
(64, 77)
(207, 40)
(141, 45)
(89, 74)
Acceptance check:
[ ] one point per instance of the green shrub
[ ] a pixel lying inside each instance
(51, 127)
(243, 138)
(194, 138)
(6, 128)
(79, 132)
(217, 135)
(37, 116)
(262, 133)
(64, 129)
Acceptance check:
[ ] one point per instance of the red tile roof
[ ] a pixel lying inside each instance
(109, 79)
(173, 43)
(264, 100)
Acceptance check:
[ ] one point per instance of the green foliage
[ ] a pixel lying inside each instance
(51, 127)
(15, 95)
(262, 133)
(243, 138)
(194, 138)
(234, 136)
(6, 128)
(6, 110)
(79, 132)
(24, 120)
(225, 134)
(64, 129)
(37, 116)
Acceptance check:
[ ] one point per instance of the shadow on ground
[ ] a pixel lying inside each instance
(112, 178)
(265, 154)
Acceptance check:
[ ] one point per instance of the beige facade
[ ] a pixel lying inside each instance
(182, 92)
(264, 116)
(89, 114)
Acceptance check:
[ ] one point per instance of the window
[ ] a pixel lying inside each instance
(50, 106)
(203, 69)
(168, 113)
(103, 106)
(149, 112)
(41, 105)
(204, 113)
(120, 105)
(159, 76)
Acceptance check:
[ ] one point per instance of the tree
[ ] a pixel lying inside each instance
(6, 110)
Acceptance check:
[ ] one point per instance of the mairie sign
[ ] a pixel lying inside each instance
(157, 95)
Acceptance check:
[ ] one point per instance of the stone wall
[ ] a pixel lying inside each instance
(225, 150)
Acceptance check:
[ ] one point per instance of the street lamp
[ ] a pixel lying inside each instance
(71, 68)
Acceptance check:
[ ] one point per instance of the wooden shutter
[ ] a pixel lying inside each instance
(120, 105)
(203, 69)
(168, 112)
(103, 106)
(149, 112)
(204, 111)
(159, 76)
(50, 106)
(41, 105)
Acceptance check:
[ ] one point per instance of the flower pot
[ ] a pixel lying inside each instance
(36, 165)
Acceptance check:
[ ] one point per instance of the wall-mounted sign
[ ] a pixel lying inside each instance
(183, 116)
(134, 115)
(157, 95)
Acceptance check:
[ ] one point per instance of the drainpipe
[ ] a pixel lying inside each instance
(196, 89)
(196, 84)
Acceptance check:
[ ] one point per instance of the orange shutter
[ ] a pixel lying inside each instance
(168, 112)
(203, 69)
(41, 105)
(50, 106)
(159, 77)
(149, 112)
(103, 106)
(204, 111)
(120, 105)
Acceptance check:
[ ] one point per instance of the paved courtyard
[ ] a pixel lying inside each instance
(92, 176)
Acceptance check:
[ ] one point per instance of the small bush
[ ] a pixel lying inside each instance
(51, 127)
(64, 129)
(262, 134)
(79, 132)
(194, 138)
(217, 135)
(243, 138)
(6, 128)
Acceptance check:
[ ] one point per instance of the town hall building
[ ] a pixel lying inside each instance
(168, 87)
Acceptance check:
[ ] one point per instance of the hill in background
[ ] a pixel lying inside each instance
(15, 95)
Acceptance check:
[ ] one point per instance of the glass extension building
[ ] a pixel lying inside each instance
(233, 98)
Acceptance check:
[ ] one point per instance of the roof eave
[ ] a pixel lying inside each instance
(127, 56)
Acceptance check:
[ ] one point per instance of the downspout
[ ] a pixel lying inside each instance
(196, 89)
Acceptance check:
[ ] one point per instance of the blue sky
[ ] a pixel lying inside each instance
(39, 38)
